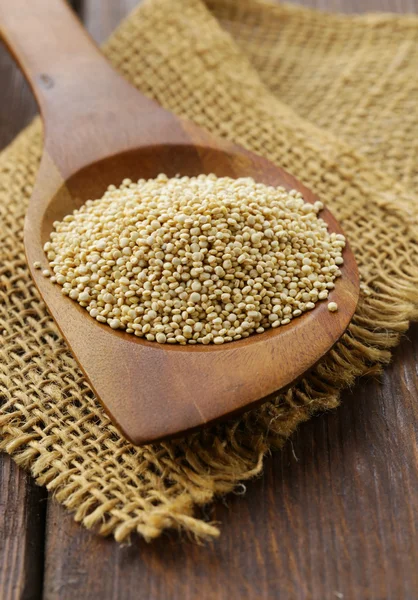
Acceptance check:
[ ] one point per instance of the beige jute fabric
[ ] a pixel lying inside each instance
(332, 99)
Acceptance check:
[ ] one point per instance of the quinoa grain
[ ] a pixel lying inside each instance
(195, 260)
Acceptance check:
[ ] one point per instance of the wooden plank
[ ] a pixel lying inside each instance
(22, 521)
(22, 503)
(334, 515)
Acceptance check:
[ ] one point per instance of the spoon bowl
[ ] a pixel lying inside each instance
(98, 131)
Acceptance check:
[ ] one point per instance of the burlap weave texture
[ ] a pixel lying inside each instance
(333, 100)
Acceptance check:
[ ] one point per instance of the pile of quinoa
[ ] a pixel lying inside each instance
(195, 260)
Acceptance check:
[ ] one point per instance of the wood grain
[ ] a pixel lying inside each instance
(334, 516)
(22, 522)
(22, 503)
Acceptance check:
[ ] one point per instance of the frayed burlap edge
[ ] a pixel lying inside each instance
(363, 350)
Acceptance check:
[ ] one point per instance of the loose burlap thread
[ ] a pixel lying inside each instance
(332, 99)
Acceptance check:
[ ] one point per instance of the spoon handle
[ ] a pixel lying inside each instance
(81, 97)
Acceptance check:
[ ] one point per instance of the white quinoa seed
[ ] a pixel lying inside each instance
(195, 260)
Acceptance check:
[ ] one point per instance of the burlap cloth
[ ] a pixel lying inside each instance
(333, 100)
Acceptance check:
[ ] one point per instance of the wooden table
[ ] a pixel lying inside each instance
(335, 515)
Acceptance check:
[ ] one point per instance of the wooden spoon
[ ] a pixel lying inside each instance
(98, 130)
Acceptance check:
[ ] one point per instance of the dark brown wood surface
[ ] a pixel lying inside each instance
(333, 517)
